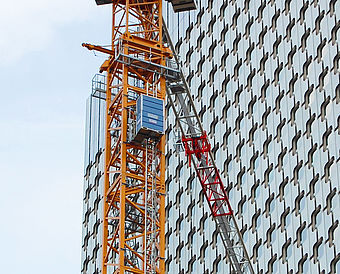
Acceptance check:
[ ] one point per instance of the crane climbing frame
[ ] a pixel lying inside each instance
(134, 183)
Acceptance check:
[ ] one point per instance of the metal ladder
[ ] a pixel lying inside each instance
(198, 150)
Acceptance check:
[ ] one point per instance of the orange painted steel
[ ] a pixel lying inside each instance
(134, 185)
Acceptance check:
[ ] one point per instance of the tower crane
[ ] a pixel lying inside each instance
(143, 70)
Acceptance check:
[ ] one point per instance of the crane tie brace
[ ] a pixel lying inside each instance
(196, 144)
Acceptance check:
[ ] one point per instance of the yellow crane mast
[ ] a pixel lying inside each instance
(139, 76)
(134, 192)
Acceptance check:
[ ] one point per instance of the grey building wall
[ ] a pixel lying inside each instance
(264, 76)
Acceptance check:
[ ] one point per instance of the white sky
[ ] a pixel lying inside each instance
(45, 78)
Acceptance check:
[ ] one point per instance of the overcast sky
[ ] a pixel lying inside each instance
(45, 78)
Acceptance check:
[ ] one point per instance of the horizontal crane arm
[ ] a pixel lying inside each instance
(98, 48)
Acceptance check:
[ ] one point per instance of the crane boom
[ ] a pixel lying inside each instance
(199, 153)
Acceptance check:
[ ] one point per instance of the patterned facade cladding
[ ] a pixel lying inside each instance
(91, 258)
(265, 79)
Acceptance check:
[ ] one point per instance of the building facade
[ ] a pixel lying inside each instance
(264, 76)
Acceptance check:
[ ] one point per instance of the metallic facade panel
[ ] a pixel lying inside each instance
(264, 76)
(264, 80)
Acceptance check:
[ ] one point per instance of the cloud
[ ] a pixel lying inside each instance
(27, 26)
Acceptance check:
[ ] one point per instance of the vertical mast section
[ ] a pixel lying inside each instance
(134, 184)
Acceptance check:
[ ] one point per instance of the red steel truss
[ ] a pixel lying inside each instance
(207, 174)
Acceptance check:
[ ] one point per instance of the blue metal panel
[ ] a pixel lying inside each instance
(150, 115)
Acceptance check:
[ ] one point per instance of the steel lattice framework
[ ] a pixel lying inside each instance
(134, 191)
(198, 151)
(134, 185)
